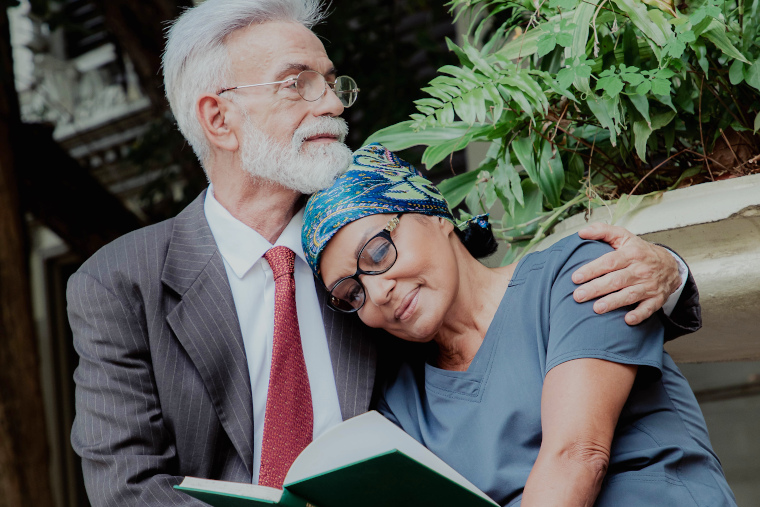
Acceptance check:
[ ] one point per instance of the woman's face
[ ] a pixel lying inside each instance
(411, 299)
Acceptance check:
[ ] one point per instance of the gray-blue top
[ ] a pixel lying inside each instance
(486, 421)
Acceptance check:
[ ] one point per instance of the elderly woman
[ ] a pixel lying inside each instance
(533, 397)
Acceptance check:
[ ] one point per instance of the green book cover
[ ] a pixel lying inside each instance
(365, 461)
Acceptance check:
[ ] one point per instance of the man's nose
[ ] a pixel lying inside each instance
(378, 288)
(329, 104)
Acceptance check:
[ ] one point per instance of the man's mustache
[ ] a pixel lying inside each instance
(324, 125)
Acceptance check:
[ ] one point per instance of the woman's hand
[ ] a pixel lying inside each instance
(636, 272)
(580, 405)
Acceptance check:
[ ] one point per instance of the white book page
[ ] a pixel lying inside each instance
(362, 437)
(234, 488)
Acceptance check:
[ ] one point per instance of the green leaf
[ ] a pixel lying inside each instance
(565, 77)
(479, 103)
(757, 123)
(503, 184)
(641, 103)
(474, 202)
(580, 68)
(601, 110)
(666, 100)
(498, 102)
(447, 114)
(650, 22)
(546, 44)
(401, 135)
(523, 150)
(465, 111)
(633, 78)
(456, 189)
(551, 174)
(519, 97)
(669, 136)
(736, 72)
(563, 4)
(674, 47)
(752, 75)
(581, 19)
(565, 39)
(612, 85)
(625, 205)
(716, 33)
(684, 97)
(687, 36)
(520, 47)
(463, 59)
(707, 9)
(489, 194)
(644, 88)
(642, 131)
(460, 73)
(701, 51)
(631, 52)
(478, 61)
(688, 173)
(531, 209)
(437, 153)
(437, 93)
(574, 174)
(429, 102)
(660, 86)
(426, 110)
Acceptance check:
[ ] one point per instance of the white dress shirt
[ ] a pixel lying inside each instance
(252, 286)
(672, 300)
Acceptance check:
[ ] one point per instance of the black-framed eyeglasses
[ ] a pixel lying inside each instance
(311, 86)
(376, 257)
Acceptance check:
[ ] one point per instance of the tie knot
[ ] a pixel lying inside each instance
(282, 260)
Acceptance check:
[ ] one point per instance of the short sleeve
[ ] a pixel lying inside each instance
(576, 331)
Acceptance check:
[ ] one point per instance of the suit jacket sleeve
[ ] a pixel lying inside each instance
(128, 455)
(687, 315)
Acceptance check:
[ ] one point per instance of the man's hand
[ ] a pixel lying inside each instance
(636, 272)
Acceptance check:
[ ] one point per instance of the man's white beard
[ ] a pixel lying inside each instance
(299, 167)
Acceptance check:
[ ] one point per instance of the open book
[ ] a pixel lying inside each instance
(366, 461)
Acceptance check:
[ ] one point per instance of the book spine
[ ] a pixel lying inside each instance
(290, 500)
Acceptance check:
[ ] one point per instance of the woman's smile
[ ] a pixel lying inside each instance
(408, 305)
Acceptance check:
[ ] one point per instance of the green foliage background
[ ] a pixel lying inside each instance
(585, 102)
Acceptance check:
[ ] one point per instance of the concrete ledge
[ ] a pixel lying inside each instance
(715, 227)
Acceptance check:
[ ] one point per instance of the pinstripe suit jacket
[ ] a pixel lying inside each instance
(162, 387)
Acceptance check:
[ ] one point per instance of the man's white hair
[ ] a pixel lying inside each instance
(196, 60)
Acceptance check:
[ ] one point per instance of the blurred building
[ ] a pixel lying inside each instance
(76, 80)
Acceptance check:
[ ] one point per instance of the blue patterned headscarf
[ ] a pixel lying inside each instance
(376, 182)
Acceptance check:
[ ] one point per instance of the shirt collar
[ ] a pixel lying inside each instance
(242, 246)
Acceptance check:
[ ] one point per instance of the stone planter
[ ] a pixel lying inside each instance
(715, 227)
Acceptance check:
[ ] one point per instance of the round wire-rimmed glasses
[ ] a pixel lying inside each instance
(311, 86)
(377, 256)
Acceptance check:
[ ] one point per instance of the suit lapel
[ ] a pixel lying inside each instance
(353, 355)
(206, 324)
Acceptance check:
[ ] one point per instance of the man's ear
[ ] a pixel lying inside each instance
(219, 120)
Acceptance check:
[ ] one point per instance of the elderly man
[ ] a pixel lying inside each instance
(197, 355)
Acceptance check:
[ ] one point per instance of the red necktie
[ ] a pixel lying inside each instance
(289, 420)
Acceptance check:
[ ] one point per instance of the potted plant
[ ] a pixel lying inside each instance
(590, 102)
